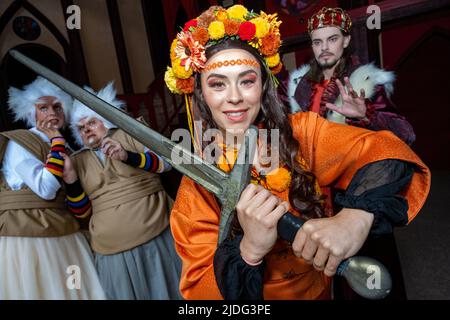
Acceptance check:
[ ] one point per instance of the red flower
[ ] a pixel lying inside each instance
(247, 31)
(190, 23)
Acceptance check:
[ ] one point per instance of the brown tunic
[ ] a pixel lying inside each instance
(22, 212)
(129, 205)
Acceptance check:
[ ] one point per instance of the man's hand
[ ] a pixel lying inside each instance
(258, 212)
(69, 173)
(353, 106)
(48, 129)
(326, 242)
(113, 149)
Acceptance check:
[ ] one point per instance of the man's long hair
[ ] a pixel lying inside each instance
(273, 114)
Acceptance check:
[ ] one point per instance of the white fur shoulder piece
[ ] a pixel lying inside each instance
(368, 76)
(294, 78)
(365, 77)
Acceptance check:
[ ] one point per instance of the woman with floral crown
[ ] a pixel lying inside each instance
(224, 62)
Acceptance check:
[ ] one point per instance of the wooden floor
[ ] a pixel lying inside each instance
(424, 246)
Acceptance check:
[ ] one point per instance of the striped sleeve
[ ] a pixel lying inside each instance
(55, 163)
(77, 200)
(148, 161)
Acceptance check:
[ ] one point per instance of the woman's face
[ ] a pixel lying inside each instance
(233, 91)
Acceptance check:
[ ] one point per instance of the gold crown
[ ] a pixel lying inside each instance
(330, 17)
(187, 52)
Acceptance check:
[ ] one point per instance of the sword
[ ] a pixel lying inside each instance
(227, 188)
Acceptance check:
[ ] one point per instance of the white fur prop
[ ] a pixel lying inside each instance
(22, 102)
(366, 77)
(294, 79)
(80, 111)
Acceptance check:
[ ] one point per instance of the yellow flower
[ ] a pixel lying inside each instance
(216, 30)
(273, 21)
(171, 81)
(172, 49)
(273, 61)
(262, 27)
(255, 43)
(237, 12)
(179, 70)
(278, 179)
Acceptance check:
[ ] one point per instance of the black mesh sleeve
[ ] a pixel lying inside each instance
(375, 189)
(236, 279)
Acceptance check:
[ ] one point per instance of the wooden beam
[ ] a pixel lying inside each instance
(77, 68)
(119, 43)
(155, 27)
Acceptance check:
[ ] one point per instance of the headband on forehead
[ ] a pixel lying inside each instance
(233, 62)
(187, 52)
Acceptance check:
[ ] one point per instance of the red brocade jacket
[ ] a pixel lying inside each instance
(381, 112)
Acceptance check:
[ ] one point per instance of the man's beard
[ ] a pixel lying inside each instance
(328, 64)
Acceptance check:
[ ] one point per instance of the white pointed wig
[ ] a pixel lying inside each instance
(81, 111)
(22, 102)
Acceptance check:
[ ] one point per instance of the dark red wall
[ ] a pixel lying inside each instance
(418, 50)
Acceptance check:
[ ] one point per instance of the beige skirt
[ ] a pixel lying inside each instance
(53, 268)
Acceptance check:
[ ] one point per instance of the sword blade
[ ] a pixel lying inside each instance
(239, 179)
(189, 164)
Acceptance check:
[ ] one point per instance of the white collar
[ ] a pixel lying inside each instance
(40, 134)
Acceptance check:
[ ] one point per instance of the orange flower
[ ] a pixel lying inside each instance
(278, 179)
(277, 68)
(200, 34)
(190, 52)
(227, 159)
(186, 85)
(231, 27)
(221, 14)
(270, 44)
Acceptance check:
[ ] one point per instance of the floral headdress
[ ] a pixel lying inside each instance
(187, 52)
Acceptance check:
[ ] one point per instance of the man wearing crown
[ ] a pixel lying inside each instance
(334, 85)
(340, 89)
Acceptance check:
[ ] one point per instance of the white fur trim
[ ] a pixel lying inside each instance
(365, 77)
(80, 111)
(368, 76)
(22, 102)
(294, 79)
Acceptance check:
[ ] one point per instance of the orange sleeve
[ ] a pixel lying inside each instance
(195, 226)
(335, 152)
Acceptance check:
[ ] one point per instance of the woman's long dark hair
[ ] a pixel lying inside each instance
(273, 115)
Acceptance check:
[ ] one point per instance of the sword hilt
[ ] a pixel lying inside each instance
(356, 270)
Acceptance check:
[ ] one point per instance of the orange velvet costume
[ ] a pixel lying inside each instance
(333, 153)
